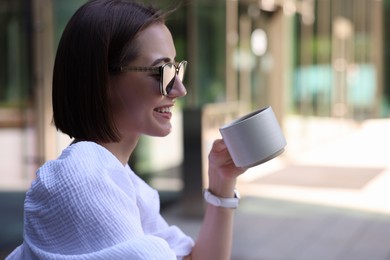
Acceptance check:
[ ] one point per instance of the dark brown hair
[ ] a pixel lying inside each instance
(98, 39)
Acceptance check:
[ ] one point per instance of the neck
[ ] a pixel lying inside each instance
(122, 149)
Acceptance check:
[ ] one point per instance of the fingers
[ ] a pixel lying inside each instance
(222, 170)
(219, 145)
(220, 154)
(219, 151)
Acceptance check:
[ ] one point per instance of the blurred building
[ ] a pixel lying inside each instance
(307, 58)
(304, 57)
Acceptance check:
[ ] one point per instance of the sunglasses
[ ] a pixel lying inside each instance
(167, 72)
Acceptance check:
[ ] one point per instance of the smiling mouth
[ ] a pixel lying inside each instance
(163, 109)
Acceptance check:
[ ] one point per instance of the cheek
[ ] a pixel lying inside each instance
(133, 100)
(126, 101)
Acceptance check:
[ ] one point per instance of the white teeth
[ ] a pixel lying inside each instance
(163, 109)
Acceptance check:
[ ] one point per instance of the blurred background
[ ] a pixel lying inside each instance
(321, 65)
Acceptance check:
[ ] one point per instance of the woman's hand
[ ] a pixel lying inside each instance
(222, 170)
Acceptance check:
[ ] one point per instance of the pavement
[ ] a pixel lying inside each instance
(326, 197)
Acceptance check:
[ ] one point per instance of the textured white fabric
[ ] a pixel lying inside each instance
(87, 205)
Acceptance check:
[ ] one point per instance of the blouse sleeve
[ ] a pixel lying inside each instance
(153, 223)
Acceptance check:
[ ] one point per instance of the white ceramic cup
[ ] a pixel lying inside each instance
(254, 138)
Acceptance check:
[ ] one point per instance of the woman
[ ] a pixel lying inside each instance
(115, 79)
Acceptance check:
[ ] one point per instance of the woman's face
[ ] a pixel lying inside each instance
(138, 106)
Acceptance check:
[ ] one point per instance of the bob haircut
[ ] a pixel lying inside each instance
(98, 39)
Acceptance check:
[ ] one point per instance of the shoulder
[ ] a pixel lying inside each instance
(81, 167)
(75, 194)
(87, 155)
(85, 159)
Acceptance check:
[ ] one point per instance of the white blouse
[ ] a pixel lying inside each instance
(87, 205)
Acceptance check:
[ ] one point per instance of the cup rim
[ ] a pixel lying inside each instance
(244, 118)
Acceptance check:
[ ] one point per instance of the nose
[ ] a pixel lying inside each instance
(178, 89)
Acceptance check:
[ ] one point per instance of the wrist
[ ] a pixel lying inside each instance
(222, 187)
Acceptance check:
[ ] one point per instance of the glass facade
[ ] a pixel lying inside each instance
(16, 95)
(311, 58)
(336, 70)
(15, 61)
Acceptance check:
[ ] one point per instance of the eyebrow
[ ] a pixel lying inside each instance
(163, 59)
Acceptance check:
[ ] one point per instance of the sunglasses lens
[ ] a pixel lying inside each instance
(182, 69)
(169, 76)
(168, 79)
(169, 86)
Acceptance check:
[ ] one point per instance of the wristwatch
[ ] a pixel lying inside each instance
(222, 202)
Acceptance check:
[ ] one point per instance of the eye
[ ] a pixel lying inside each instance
(156, 76)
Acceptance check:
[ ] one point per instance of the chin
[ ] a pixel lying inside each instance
(162, 132)
(166, 133)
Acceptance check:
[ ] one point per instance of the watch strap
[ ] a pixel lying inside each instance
(222, 202)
